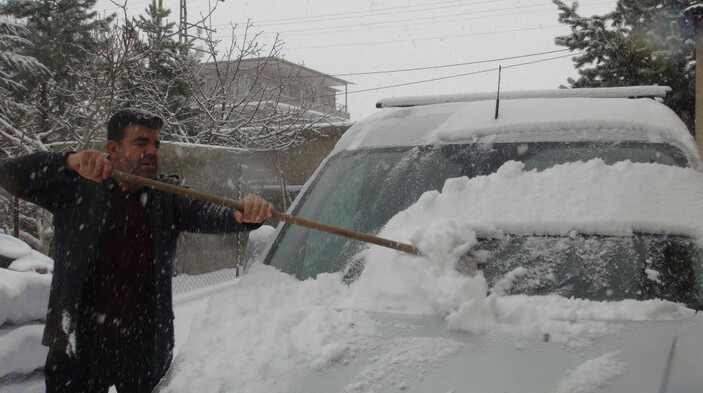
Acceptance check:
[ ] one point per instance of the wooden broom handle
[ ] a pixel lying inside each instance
(238, 205)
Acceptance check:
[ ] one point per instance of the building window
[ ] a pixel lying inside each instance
(243, 86)
(320, 100)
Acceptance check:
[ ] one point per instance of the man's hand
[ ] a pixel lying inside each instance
(256, 210)
(90, 164)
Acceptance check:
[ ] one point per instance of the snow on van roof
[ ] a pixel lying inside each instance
(643, 116)
(523, 120)
(599, 92)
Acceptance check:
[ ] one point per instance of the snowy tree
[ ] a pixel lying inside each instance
(147, 68)
(254, 100)
(641, 42)
(115, 73)
(13, 107)
(60, 30)
(53, 34)
(161, 82)
(244, 103)
(98, 89)
(19, 218)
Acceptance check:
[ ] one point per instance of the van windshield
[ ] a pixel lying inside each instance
(601, 268)
(362, 190)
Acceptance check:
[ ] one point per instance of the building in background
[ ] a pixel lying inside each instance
(281, 85)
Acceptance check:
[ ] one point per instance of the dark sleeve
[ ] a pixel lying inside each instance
(204, 217)
(37, 177)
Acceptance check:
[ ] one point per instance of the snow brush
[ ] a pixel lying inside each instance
(238, 205)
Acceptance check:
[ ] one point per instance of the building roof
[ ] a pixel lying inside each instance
(286, 67)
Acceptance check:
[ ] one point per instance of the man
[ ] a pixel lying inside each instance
(110, 316)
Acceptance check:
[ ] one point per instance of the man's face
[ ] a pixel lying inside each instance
(137, 153)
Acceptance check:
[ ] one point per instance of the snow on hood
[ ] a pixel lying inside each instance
(593, 374)
(265, 331)
(271, 329)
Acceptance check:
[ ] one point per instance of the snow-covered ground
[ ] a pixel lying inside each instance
(186, 307)
(24, 295)
(25, 284)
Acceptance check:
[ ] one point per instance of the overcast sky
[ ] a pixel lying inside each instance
(360, 36)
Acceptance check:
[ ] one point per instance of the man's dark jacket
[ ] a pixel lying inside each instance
(80, 207)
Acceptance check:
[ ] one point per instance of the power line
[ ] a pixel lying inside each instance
(113, 6)
(416, 24)
(460, 75)
(372, 13)
(413, 19)
(381, 25)
(416, 39)
(451, 65)
(270, 21)
(322, 18)
(426, 39)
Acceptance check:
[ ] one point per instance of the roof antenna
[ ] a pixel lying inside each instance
(500, 68)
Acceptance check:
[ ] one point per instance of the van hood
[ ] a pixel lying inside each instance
(416, 353)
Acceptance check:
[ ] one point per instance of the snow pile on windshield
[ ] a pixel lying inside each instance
(589, 198)
(271, 331)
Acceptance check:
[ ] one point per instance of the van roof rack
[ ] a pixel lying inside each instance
(598, 92)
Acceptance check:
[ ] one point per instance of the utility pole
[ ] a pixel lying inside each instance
(694, 16)
(183, 24)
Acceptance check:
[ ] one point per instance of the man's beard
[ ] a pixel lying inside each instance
(147, 166)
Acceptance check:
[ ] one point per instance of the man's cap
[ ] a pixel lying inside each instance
(127, 116)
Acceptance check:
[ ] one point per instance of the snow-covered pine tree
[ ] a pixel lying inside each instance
(14, 107)
(17, 217)
(161, 82)
(60, 31)
(641, 42)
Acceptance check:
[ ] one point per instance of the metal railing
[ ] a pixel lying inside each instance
(183, 283)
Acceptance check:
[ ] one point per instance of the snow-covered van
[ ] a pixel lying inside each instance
(560, 237)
